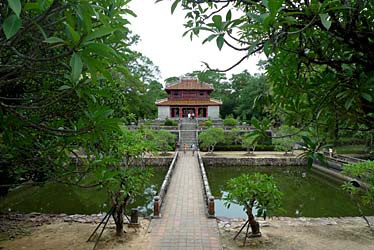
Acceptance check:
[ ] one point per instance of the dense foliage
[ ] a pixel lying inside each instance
(326, 47)
(165, 141)
(230, 121)
(68, 81)
(319, 66)
(363, 171)
(364, 193)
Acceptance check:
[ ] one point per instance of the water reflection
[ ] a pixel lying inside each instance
(306, 193)
(57, 198)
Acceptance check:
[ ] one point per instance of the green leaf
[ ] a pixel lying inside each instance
(265, 3)
(367, 96)
(220, 40)
(31, 6)
(72, 34)
(275, 5)
(16, 6)
(44, 4)
(103, 31)
(11, 26)
(64, 87)
(257, 18)
(348, 103)
(76, 67)
(267, 48)
(326, 23)
(174, 6)
(210, 38)
(54, 39)
(228, 16)
(92, 65)
(102, 50)
(130, 12)
(268, 19)
(217, 20)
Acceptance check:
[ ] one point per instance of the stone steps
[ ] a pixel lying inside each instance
(188, 133)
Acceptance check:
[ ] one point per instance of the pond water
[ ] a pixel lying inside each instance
(58, 198)
(307, 193)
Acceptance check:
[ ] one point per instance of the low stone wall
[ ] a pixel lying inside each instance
(45, 218)
(213, 161)
(158, 161)
(207, 193)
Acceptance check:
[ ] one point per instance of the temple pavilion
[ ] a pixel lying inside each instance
(188, 96)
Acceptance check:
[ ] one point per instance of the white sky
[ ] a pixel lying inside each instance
(162, 41)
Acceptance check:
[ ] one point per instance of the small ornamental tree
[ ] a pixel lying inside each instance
(286, 138)
(233, 136)
(124, 178)
(259, 134)
(164, 139)
(250, 142)
(257, 191)
(364, 193)
(210, 137)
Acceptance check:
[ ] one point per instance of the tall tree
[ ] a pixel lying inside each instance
(154, 92)
(320, 56)
(252, 94)
(64, 89)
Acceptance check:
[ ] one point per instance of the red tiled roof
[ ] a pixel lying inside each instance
(188, 102)
(189, 84)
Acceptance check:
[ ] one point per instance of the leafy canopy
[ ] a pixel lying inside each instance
(363, 171)
(257, 190)
(210, 137)
(319, 53)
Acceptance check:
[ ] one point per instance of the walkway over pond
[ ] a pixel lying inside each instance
(184, 223)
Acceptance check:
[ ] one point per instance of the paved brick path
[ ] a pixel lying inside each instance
(183, 223)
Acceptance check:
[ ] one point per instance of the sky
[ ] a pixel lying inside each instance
(161, 41)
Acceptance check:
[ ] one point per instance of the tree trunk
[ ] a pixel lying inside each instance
(118, 219)
(255, 227)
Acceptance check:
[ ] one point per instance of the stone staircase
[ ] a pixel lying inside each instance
(187, 133)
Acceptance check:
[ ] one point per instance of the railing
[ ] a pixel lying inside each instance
(229, 128)
(158, 200)
(209, 198)
(348, 159)
(337, 161)
(154, 127)
(179, 134)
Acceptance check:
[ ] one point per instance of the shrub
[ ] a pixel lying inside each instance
(208, 123)
(230, 121)
(169, 122)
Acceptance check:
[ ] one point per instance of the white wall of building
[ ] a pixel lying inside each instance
(163, 112)
(213, 112)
